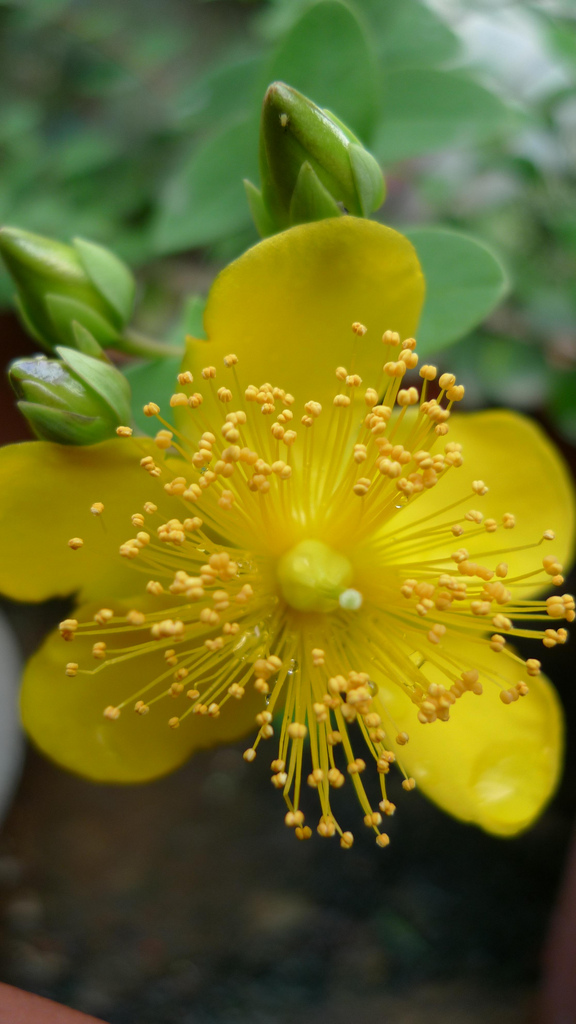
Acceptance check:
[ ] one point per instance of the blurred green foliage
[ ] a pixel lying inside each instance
(134, 125)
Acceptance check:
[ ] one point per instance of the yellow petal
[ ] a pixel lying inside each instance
(64, 716)
(526, 475)
(286, 307)
(491, 764)
(47, 491)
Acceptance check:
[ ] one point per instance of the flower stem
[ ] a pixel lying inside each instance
(133, 343)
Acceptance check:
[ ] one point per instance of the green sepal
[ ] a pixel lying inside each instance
(103, 378)
(29, 324)
(368, 178)
(63, 311)
(310, 199)
(86, 342)
(110, 276)
(263, 221)
(64, 427)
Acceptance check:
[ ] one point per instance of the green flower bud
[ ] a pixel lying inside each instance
(311, 166)
(72, 400)
(58, 285)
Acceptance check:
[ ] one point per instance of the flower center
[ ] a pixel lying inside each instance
(313, 577)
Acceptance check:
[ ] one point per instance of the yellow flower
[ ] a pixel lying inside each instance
(321, 555)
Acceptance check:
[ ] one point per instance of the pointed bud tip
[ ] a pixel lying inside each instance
(311, 165)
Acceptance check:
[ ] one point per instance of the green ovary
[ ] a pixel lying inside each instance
(312, 576)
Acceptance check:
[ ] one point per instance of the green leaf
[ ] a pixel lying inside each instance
(426, 110)
(152, 381)
(190, 321)
(228, 90)
(465, 281)
(406, 33)
(513, 372)
(204, 200)
(563, 404)
(109, 275)
(327, 56)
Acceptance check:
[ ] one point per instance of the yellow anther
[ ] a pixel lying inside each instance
(402, 738)
(99, 650)
(297, 731)
(209, 372)
(111, 713)
(103, 616)
(341, 401)
(97, 508)
(326, 827)
(551, 566)
(409, 358)
(359, 329)
(409, 784)
(346, 840)
(163, 439)
(428, 372)
(174, 722)
(474, 516)
(224, 394)
(230, 360)
(479, 487)
(407, 396)
(549, 535)
(185, 377)
(508, 521)
(303, 833)
(395, 369)
(382, 839)
(166, 628)
(71, 668)
(75, 543)
(141, 708)
(456, 393)
(178, 399)
(341, 373)
(362, 486)
(372, 819)
(124, 431)
(447, 380)
(390, 338)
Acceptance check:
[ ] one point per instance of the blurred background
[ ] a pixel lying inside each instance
(132, 124)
